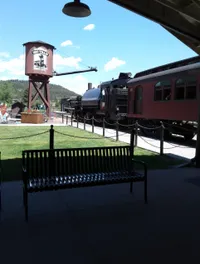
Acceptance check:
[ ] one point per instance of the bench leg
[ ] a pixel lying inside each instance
(131, 187)
(25, 196)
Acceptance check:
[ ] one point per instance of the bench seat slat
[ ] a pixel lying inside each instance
(82, 180)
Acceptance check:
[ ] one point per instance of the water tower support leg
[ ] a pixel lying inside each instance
(47, 90)
(30, 95)
(38, 92)
(45, 97)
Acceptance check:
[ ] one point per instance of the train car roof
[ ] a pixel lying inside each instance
(168, 66)
(166, 72)
(105, 83)
(120, 82)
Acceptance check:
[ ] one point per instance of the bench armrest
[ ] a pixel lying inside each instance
(143, 164)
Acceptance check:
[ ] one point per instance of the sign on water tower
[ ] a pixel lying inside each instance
(39, 58)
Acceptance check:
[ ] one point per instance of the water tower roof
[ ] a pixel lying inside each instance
(39, 42)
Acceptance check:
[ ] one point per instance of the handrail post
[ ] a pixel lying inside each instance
(71, 119)
(132, 142)
(162, 128)
(103, 127)
(117, 130)
(51, 137)
(77, 120)
(136, 133)
(93, 124)
(84, 122)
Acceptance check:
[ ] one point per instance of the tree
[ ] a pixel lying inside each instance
(25, 97)
(5, 93)
(57, 103)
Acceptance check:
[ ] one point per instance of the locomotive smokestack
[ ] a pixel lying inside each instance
(89, 86)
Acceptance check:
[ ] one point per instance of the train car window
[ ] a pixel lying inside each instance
(137, 105)
(166, 90)
(158, 92)
(191, 87)
(180, 90)
(162, 91)
(186, 89)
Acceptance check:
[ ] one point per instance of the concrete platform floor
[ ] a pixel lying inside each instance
(105, 224)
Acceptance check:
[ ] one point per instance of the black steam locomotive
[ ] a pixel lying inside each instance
(108, 100)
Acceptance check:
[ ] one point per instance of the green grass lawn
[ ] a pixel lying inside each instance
(11, 150)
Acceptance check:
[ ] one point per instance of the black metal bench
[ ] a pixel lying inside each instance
(79, 167)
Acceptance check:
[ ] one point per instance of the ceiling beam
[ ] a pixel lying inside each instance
(185, 10)
(194, 45)
(159, 13)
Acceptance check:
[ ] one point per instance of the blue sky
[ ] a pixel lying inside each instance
(117, 40)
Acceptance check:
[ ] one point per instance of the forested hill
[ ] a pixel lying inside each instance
(15, 89)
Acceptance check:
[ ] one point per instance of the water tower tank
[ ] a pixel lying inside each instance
(39, 58)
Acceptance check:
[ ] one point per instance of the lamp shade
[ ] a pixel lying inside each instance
(76, 9)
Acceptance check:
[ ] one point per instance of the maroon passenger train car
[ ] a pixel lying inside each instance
(167, 94)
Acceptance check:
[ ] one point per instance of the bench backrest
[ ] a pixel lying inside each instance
(45, 163)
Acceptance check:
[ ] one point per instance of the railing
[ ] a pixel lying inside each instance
(135, 127)
(131, 129)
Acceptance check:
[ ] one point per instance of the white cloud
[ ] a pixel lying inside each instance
(89, 27)
(5, 54)
(113, 64)
(76, 83)
(66, 43)
(14, 68)
(63, 62)
(4, 78)
(69, 43)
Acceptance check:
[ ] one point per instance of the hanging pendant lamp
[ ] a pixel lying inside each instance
(76, 9)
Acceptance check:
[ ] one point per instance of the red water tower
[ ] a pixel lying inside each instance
(39, 68)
